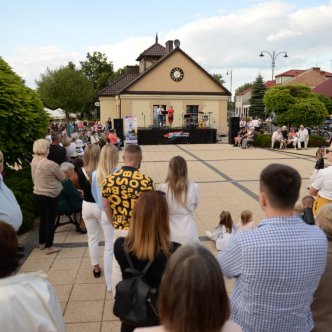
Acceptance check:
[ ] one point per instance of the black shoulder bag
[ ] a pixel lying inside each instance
(135, 300)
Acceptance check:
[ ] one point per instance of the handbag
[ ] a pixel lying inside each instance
(135, 300)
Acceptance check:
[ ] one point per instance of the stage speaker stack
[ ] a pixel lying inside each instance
(118, 126)
(233, 128)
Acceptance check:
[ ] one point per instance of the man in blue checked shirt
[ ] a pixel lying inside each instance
(278, 265)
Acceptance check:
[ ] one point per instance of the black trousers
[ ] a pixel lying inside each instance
(48, 212)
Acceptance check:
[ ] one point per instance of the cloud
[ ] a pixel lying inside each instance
(29, 63)
(227, 40)
(282, 34)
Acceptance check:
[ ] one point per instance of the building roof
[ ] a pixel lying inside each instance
(292, 73)
(269, 84)
(243, 92)
(125, 81)
(156, 50)
(324, 88)
(115, 87)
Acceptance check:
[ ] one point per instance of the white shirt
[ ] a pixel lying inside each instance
(10, 211)
(28, 303)
(323, 182)
(303, 134)
(182, 222)
(276, 136)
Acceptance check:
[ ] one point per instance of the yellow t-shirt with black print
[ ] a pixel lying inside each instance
(122, 189)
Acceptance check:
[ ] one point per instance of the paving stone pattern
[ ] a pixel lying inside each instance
(228, 178)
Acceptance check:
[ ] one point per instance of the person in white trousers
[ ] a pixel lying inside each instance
(303, 137)
(90, 210)
(108, 161)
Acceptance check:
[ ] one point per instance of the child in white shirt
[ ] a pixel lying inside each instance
(223, 232)
(247, 221)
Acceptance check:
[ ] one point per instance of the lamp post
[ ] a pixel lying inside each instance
(273, 56)
(230, 72)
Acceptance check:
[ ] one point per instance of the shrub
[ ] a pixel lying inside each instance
(263, 141)
(22, 116)
(20, 182)
(316, 141)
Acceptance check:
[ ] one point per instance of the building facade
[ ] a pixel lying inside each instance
(166, 76)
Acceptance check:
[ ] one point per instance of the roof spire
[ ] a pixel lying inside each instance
(156, 37)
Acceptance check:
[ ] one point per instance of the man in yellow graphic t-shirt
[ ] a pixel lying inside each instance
(120, 192)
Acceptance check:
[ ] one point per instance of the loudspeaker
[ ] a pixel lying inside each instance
(233, 128)
(118, 126)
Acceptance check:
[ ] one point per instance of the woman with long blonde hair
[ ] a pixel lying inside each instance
(90, 211)
(182, 197)
(148, 240)
(108, 161)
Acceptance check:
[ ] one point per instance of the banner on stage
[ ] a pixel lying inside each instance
(130, 130)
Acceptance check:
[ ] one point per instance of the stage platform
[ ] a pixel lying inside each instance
(154, 136)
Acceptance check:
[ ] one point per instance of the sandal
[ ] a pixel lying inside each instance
(96, 274)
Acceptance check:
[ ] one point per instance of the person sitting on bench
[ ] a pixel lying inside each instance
(70, 199)
(249, 138)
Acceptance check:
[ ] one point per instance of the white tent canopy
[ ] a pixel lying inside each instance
(58, 114)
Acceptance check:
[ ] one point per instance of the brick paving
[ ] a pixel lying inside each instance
(228, 178)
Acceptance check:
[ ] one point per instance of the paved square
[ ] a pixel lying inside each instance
(228, 178)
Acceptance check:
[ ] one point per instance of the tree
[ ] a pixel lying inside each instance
(295, 105)
(98, 70)
(218, 78)
(22, 116)
(307, 111)
(278, 99)
(256, 99)
(243, 87)
(65, 88)
(326, 101)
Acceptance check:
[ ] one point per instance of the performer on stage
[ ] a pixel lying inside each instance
(160, 112)
(170, 115)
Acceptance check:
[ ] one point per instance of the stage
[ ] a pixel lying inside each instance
(154, 136)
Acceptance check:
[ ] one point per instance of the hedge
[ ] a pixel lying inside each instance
(264, 141)
(20, 182)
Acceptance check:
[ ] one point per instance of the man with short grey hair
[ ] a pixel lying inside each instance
(303, 137)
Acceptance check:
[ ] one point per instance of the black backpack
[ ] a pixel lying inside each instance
(135, 300)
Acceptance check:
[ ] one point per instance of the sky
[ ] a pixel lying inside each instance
(222, 36)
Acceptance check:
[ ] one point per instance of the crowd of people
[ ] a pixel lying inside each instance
(281, 137)
(282, 266)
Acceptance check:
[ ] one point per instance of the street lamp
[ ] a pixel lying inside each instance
(273, 56)
(230, 72)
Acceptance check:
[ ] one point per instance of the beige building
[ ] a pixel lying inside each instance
(166, 76)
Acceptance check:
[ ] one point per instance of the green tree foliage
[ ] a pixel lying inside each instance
(295, 105)
(278, 99)
(65, 88)
(256, 99)
(326, 101)
(243, 87)
(98, 70)
(218, 78)
(308, 111)
(22, 115)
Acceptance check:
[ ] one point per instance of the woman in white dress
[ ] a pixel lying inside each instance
(182, 198)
